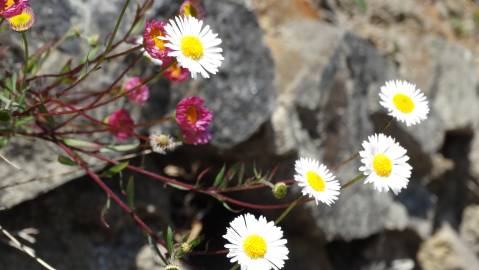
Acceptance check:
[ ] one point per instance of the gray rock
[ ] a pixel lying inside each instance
(446, 251)
(469, 229)
(242, 94)
(38, 171)
(327, 104)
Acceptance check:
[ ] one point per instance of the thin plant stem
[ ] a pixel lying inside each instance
(25, 67)
(236, 266)
(287, 211)
(353, 181)
(16, 244)
(117, 25)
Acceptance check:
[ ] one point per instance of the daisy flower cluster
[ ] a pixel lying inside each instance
(185, 47)
(256, 244)
(18, 13)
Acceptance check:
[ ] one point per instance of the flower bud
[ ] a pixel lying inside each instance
(185, 247)
(280, 190)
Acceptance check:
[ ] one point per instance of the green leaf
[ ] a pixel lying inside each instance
(3, 141)
(154, 246)
(80, 143)
(241, 174)
(230, 209)
(104, 211)
(66, 161)
(361, 4)
(219, 177)
(4, 116)
(177, 186)
(169, 240)
(130, 192)
(114, 169)
(119, 148)
(50, 120)
(23, 120)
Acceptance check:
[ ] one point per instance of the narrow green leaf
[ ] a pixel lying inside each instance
(104, 211)
(130, 192)
(219, 177)
(119, 148)
(114, 169)
(50, 120)
(177, 186)
(230, 209)
(22, 121)
(80, 143)
(169, 240)
(66, 160)
(230, 174)
(241, 174)
(155, 248)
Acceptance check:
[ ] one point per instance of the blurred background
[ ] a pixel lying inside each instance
(300, 78)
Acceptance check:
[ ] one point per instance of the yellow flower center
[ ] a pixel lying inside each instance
(382, 165)
(159, 43)
(9, 3)
(403, 103)
(255, 246)
(189, 10)
(315, 181)
(162, 140)
(22, 21)
(175, 70)
(192, 114)
(192, 47)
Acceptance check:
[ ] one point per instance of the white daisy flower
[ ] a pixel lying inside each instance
(385, 163)
(404, 102)
(162, 143)
(316, 180)
(195, 47)
(256, 244)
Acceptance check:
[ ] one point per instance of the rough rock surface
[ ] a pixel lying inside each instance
(469, 229)
(446, 251)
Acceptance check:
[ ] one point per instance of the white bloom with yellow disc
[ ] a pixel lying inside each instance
(404, 102)
(316, 181)
(256, 244)
(385, 163)
(195, 47)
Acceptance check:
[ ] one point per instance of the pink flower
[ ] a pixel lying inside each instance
(192, 8)
(137, 92)
(9, 8)
(194, 120)
(121, 124)
(154, 45)
(22, 21)
(202, 137)
(176, 73)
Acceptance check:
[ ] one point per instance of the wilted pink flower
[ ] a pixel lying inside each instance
(137, 91)
(152, 40)
(121, 124)
(176, 73)
(194, 120)
(201, 137)
(9, 8)
(22, 21)
(192, 8)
